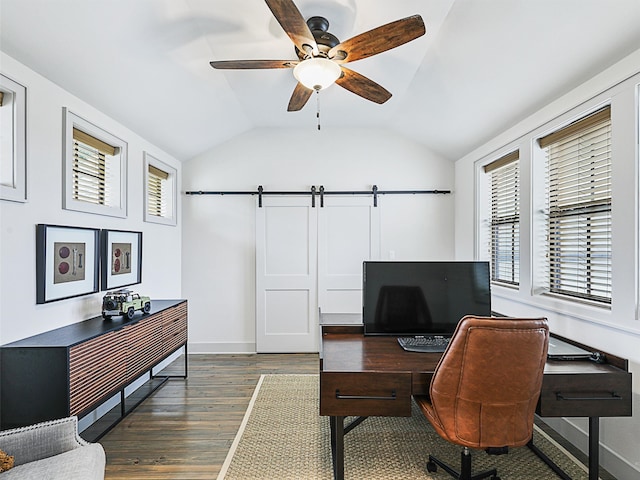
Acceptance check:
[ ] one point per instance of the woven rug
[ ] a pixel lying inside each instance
(283, 437)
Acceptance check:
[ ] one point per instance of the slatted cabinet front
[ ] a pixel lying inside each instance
(96, 368)
(144, 344)
(174, 327)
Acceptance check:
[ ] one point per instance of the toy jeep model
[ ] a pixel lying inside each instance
(124, 302)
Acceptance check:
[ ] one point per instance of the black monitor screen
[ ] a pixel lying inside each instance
(418, 298)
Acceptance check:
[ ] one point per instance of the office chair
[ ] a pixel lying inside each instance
(484, 391)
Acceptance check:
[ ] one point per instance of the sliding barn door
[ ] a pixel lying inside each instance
(309, 257)
(348, 234)
(286, 275)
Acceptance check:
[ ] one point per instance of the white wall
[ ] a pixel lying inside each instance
(616, 330)
(20, 317)
(219, 231)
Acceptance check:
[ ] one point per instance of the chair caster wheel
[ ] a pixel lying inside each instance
(432, 467)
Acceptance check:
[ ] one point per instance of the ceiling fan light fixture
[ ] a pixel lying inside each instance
(317, 73)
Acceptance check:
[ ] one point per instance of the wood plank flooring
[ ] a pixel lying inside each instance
(185, 429)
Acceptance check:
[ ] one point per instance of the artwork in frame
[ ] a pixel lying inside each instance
(121, 258)
(67, 262)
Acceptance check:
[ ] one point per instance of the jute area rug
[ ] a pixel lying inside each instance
(283, 437)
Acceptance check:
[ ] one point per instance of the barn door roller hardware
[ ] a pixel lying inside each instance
(320, 191)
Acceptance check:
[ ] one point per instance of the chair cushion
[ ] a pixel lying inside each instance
(84, 463)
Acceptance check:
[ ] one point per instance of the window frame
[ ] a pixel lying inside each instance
(637, 196)
(172, 180)
(15, 129)
(552, 260)
(492, 169)
(71, 121)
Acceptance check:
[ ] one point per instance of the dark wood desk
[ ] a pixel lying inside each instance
(373, 376)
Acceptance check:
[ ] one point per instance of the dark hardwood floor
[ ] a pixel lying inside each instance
(185, 429)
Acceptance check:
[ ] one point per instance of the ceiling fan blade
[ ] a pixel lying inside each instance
(299, 98)
(378, 40)
(253, 64)
(294, 24)
(363, 86)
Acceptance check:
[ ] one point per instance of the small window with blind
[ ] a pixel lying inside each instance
(95, 169)
(13, 144)
(578, 208)
(160, 192)
(504, 242)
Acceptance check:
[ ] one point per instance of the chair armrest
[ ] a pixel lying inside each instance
(41, 440)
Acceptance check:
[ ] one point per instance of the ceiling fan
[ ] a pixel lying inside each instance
(322, 56)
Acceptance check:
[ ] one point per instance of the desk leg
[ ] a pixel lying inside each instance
(337, 446)
(594, 447)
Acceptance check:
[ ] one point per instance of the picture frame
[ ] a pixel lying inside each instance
(121, 254)
(67, 262)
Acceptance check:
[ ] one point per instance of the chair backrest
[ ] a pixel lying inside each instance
(485, 389)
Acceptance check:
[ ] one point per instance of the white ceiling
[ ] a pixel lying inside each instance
(482, 66)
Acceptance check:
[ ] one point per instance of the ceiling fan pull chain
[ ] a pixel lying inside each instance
(318, 106)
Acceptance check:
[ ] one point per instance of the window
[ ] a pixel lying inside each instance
(160, 192)
(157, 192)
(95, 169)
(578, 208)
(504, 241)
(13, 182)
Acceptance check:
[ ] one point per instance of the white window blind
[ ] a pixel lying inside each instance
(94, 170)
(579, 208)
(158, 192)
(505, 219)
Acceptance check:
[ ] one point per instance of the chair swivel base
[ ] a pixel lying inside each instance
(465, 471)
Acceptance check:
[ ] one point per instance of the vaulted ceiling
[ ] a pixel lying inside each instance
(482, 65)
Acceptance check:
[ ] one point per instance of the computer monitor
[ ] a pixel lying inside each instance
(422, 298)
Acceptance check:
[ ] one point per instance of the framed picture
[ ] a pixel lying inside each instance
(67, 262)
(121, 258)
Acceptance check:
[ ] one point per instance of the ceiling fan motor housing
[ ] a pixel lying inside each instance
(326, 41)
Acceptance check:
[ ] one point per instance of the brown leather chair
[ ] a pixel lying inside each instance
(484, 391)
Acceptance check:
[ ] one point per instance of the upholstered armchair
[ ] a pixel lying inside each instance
(52, 450)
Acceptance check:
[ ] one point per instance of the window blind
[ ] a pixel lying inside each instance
(90, 168)
(579, 208)
(157, 192)
(505, 219)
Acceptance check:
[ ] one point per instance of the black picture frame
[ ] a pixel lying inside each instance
(67, 262)
(121, 255)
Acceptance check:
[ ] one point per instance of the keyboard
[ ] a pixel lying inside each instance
(427, 343)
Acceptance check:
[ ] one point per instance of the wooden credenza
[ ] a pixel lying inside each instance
(74, 369)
